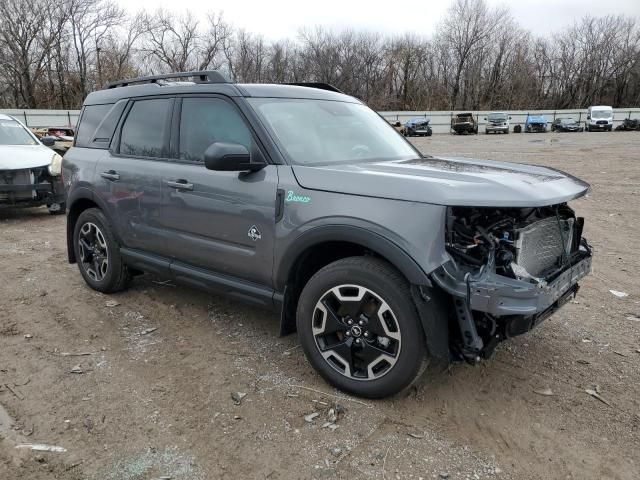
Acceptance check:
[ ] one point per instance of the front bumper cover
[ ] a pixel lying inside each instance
(502, 296)
(44, 193)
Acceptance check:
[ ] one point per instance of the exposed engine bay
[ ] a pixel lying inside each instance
(511, 268)
(531, 244)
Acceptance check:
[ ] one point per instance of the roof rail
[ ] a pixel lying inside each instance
(207, 76)
(320, 85)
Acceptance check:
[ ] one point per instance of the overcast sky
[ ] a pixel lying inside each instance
(276, 19)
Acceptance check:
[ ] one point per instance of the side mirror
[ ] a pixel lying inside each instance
(588, 117)
(48, 141)
(230, 157)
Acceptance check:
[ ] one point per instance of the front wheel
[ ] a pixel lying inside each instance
(359, 327)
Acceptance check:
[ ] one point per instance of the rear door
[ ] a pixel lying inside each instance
(129, 176)
(222, 222)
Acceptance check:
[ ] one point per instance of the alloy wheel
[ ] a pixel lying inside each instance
(356, 332)
(94, 255)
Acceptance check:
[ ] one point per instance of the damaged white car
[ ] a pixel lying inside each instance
(30, 173)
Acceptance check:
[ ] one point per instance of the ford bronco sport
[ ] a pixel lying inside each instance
(303, 200)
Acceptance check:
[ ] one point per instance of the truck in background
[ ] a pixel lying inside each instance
(599, 118)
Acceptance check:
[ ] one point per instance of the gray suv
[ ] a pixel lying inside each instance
(303, 200)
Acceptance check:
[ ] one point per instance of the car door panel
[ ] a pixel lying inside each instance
(222, 222)
(129, 176)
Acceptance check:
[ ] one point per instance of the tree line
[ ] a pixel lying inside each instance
(54, 52)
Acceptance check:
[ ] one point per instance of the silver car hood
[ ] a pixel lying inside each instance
(447, 181)
(13, 157)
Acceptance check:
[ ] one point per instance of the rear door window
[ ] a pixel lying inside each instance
(145, 132)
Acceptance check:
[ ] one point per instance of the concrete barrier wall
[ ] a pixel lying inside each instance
(45, 118)
(440, 120)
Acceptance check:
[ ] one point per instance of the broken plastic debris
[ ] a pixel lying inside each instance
(619, 294)
(311, 417)
(112, 303)
(41, 447)
(547, 392)
(237, 397)
(595, 394)
(77, 369)
(148, 331)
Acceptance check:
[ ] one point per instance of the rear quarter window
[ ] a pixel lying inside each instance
(92, 116)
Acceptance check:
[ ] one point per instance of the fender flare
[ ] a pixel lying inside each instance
(375, 242)
(79, 194)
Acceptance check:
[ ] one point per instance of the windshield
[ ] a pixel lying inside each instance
(601, 114)
(318, 132)
(567, 121)
(497, 117)
(12, 133)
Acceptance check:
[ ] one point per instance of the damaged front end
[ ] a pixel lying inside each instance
(510, 268)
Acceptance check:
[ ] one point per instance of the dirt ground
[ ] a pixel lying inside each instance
(150, 405)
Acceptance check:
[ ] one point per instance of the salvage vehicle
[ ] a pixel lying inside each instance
(535, 123)
(29, 171)
(305, 201)
(417, 127)
(599, 118)
(463, 123)
(62, 137)
(497, 122)
(629, 125)
(566, 124)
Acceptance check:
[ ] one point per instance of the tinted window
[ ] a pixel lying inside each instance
(145, 132)
(208, 120)
(92, 115)
(102, 136)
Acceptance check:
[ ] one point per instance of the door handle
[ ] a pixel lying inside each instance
(180, 184)
(110, 175)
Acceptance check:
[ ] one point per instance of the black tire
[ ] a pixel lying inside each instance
(115, 275)
(384, 286)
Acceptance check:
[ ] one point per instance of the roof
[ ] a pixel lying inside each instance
(112, 95)
(6, 117)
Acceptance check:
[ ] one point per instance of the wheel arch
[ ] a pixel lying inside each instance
(320, 246)
(77, 202)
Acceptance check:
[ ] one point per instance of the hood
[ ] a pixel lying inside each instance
(13, 157)
(447, 181)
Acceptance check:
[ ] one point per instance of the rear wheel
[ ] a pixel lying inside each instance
(359, 327)
(98, 253)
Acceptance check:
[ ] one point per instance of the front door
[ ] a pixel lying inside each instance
(221, 222)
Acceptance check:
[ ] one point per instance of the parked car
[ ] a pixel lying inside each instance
(417, 127)
(497, 122)
(629, 124)
(599, 118)
(62, 137)
(464, 123)
(397, 126)
(29, 171)
(566, 124)
(535, 123)
(305, 201)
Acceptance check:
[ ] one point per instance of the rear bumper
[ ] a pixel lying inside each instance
(502, 296)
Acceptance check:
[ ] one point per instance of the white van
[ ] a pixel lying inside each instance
(599, 118)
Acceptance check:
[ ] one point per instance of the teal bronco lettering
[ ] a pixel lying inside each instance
(292, 197)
